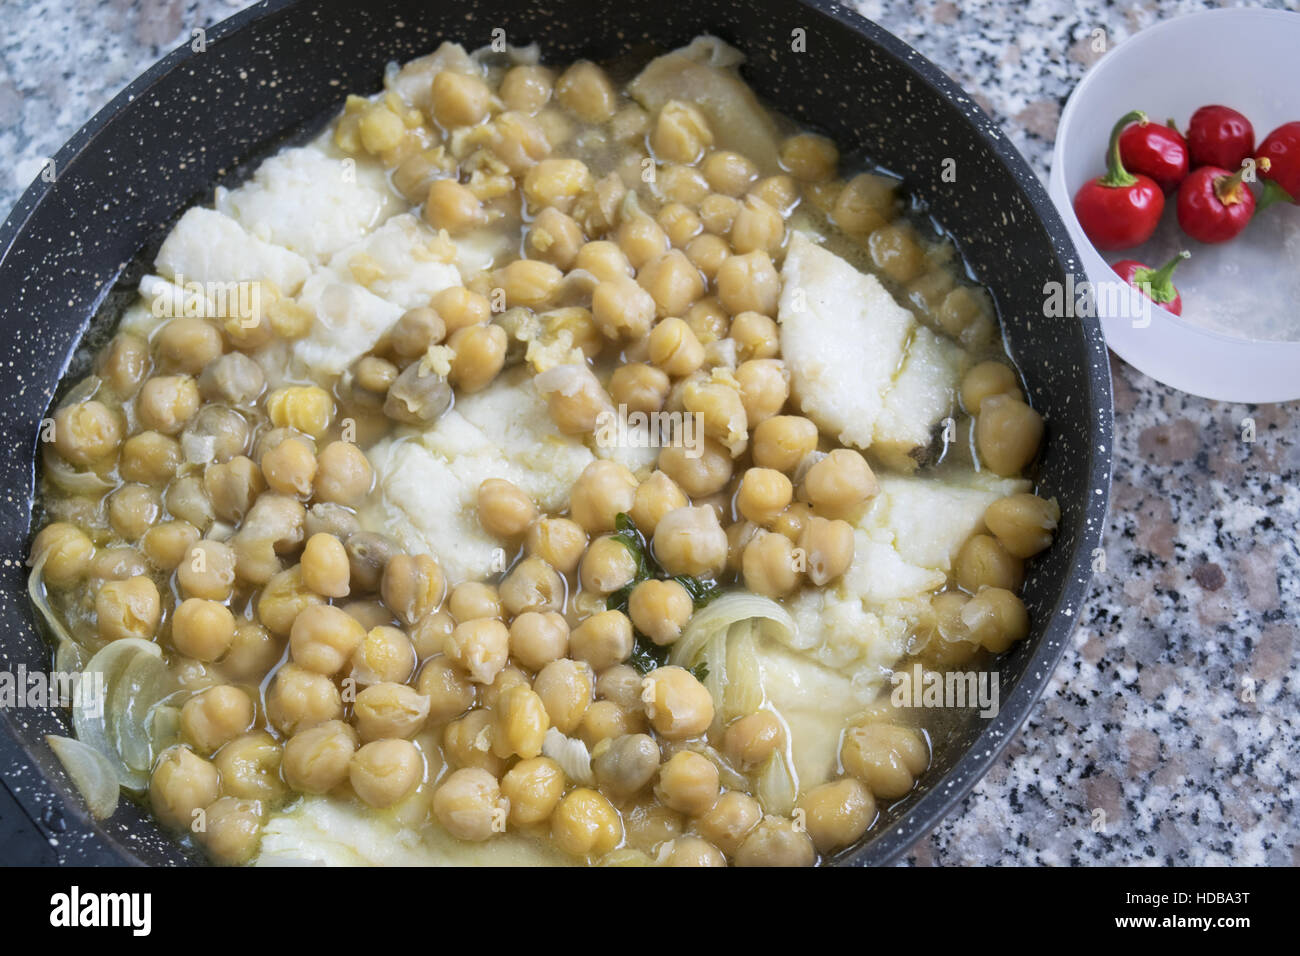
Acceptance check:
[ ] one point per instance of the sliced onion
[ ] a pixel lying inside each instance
(69, 479)
(40, 600)
(775, 786)
(716, 617)
(70, 657)
(98, 726)
(571, 755)
(83, 391)
(90, 772)
(144, 682)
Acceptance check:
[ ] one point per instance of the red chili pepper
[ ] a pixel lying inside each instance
(1214, 205)
(1119, 210)
(1219, 136)
(1279, 165)
(1156, 151)
(1156, 284)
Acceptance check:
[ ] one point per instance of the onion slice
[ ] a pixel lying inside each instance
(90, 772)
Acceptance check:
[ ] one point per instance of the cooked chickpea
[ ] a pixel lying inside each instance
(233, 378)
(728, 173)
(603, 491)
(557, 541)
(699, 471)
(459, 99)
(749, 741)
(467, 742)
(148, 457)
(182, 783)
(306, 408)
(757, 227)
(986, 380)
(585, 90)
(290, 468)
(368, 557)
(470, 806)
(688, 783)
(325, 566)
(681, 133)
(375, 374)
(707, 253)
(448, 689)
(828, 546)
(625, 765)
(554, 238)
(385, 655)
(983, 562)
(534, 788)
(66, 551)
(692, 851)
(896, 253)
(381, 129)
(748, 283)
(87, 432)
(605, 720)
(565, 689)
(116, 564)
(556, 182)
(460, 308)
(679, 223)
(504, 509)
(250, 767)
(718, 213)
(125, 363)
(324, 638)
(167, 402)
(128, 608)
(757, 336)
(585, 824)
(253, 651)
(660, 609)
(840, 484)
(317, 759)
(369, 614)
(607, 566)
(453, 207)
(837, 813)
(216, 716)
(776, 841)
(232, 830)
(169, 543)
(868, 202)
(1007, 434)
(764, 388)
(672, 281)
(763, 494)
(480, 354)
(527, 88)
(186, 498)
(412, 586)
(809, 157)
(675, 349)
(471, 600)
(233, 486)
(769, 566)
(481, 647)
(344, 476)
(1023, 523)
(575, 399)
(537, 638)
(655, 497)
(521, 722)
(886, 757)
(642, 241)
(298, 699)
(639, 387)
(605, 260)
(389, 709)
(384, 771)
(995, 619)
(677, 704)
(691, 541)
(622, 309)
(532, 585)
(189, 345)
(283, 597)
(730, 820)
(966, 314)
(602, 640)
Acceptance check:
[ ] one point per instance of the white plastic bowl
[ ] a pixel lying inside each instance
(1239, 336)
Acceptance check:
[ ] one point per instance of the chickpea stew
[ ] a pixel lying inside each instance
(542, 465)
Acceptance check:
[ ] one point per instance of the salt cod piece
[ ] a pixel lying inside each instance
(207, 246)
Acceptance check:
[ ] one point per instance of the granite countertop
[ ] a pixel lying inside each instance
(1174, 711)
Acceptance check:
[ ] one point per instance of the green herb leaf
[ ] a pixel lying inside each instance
(700, 671)
(647, 655)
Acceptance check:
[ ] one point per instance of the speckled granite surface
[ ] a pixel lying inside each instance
(1174, 711)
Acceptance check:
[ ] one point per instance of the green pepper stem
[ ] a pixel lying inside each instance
(1159, 283)
(1116, 174)
(1273, 193)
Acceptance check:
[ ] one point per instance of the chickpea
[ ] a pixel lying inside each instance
(368, 557)
(718, 213)
(996, 618)
(558, 541)
(886, 757)
(691, 541)
(116, 564)
(1007, 434)
(234, 378)
(680, 183)
(529, 283)
(622, 685)
(306, 408)
(672, 281)
(707, 253)
(125, 363)
(868, 202)
(655, 497)
(585, 824)
(250, 768)
(147, 457)
(604, 490)
(896, 252)
(385, 655)
(574, 397)
(605, 720)
(527, 88)
(660, 609)
(448, 690)
(565, 689)
(283, 597)
(1023, 523)
(460, 308)
(607, 566)
(688, 783)
(675, 349)
(809, 157)
(554, 238)
(216, 716)
(650, 824)
(381, 129)
(679, 223)
(757, 336)
(605, 260)
(233, 486)
(374, 374)
(776, 842)
(768, 565)
(481, 647)
(966, 314)
(730, 820)
(430, 633)
(681, 133)
(87, 432)
(780, 192)
(533, 788)
(471, 600)
(168, 544)
(467, 742)
(189, 345)
(757, 227)
(470, 806)
(728, 173)
(793, 520)
(625, 765)
(538, 637)
(764, 388)
(224, 429)
(677, 704)
(453, 207)
(166, 403)
(323, 638)
(519, 141)
(382, 772)
(325, 566)
(751, 740)
(187, 499)
(983, 562)
(586, 91)
(182, 784)
(369, 614)
(557, 182)
(837, 813)
(412, 586)
(521, 722)
(763, 494)
(639, 387)
(533, 585)
(129, 608)
(345, 476)
(986, 380)
(828, 546)
(66, 551)
(699, 471)
(504, 509)
(622, 309)
(290, 468)
(748, 283)
(253, 651)
(839, 485)
(389, 709)
(298, 699)
(459, 99)
(692, 851)
(233, 830)
(602, 640)
(480, 354)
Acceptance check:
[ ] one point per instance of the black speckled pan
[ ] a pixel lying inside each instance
(282, 67)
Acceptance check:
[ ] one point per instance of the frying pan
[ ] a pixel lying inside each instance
(277, 71)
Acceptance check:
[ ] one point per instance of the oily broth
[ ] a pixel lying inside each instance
(603, 154)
